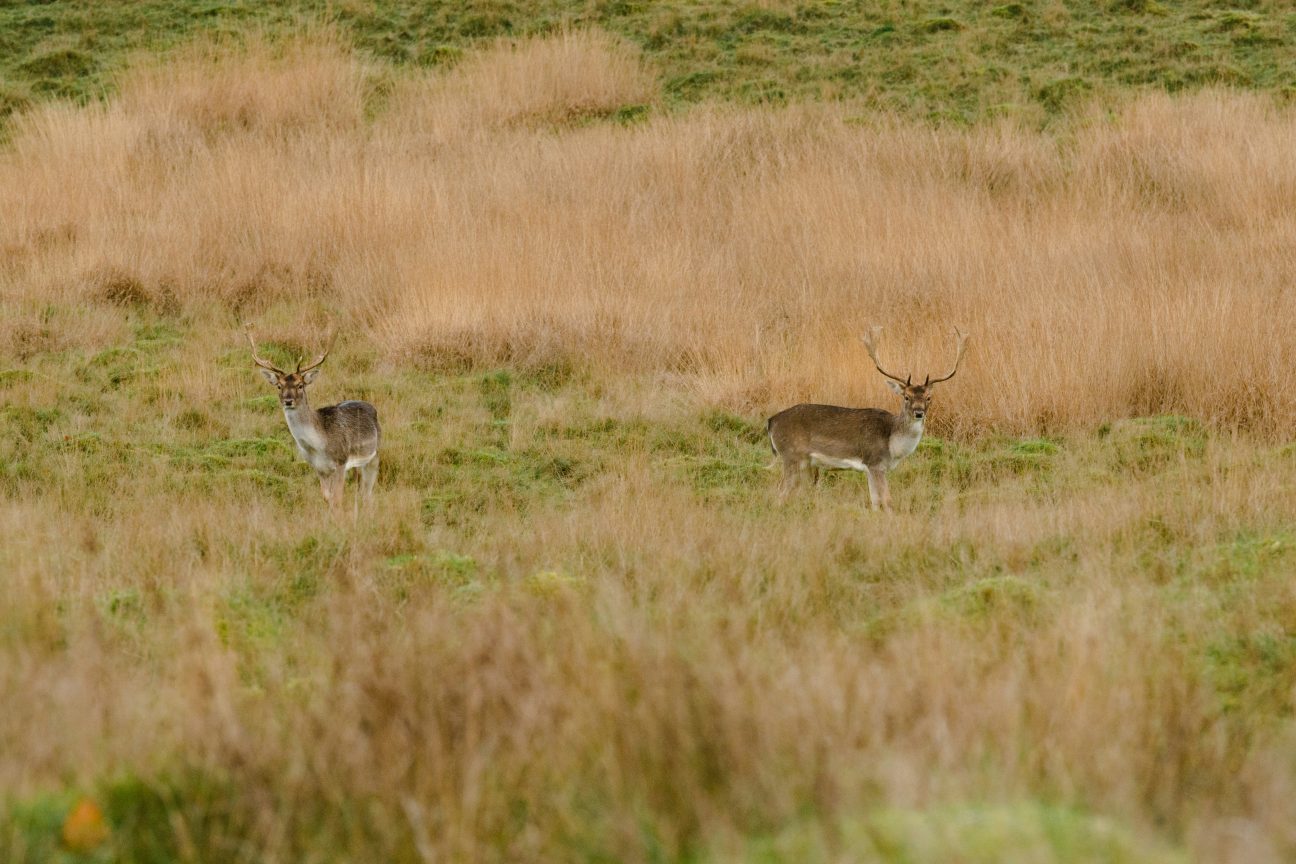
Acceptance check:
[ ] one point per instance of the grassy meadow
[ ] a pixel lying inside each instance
(578, 624)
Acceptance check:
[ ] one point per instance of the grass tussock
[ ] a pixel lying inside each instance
(567, 79)
(578, 626)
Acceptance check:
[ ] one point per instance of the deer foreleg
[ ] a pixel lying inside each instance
(331, 486)
(884, 490)
(877, 487)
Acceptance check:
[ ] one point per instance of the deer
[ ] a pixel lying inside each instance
(333, 440)
(808, 437)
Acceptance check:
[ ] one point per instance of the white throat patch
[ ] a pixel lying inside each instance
(905, 442)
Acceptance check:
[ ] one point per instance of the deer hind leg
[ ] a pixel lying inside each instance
(787, 478)
(793, 472)
(355, 505)
(368, 477)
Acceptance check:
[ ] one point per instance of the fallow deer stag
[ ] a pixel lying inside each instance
(806, 438)
(334, 439)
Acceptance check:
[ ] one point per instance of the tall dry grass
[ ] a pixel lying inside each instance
(1129, 266)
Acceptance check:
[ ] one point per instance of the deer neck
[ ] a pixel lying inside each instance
(906, 432)
(305, 426)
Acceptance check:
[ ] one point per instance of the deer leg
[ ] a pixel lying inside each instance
(339, 487)
(876, 483)
(332, 489)
(355, 505)
(885, 490)
(805, 473)
(326, 488)
(787, 479)
(368, 477)
(795, 473)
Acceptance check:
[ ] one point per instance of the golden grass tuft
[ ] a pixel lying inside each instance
(576, 76)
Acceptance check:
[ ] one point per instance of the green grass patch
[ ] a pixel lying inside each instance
(983, 599)
(28, 425)
(468, 483)
(1152, 443)
(407, 573)
(970, 834)
(1254, 673)
(10, 377)
(184, 815)
(267, 465)
(981, 602)
(950, 464)
(611, 433)
(1249, 556)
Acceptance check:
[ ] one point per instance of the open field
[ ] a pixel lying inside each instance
(578, 626)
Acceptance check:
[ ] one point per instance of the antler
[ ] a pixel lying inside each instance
(247, 329)
(870, 345)
(962, 346)
(320, 359)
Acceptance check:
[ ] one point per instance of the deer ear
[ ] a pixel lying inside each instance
(895, 385)
(309, 376)
(272, 377)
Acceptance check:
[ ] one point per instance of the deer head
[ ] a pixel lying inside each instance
(291, 385)
(917, 397)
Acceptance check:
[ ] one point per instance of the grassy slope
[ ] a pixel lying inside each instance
(944, 59)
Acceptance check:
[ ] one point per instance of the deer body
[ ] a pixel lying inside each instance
(345, 434)
(830, 436)
(333, 440)
(808, 437)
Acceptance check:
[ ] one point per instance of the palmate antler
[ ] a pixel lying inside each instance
(870, 345)
(958, 358)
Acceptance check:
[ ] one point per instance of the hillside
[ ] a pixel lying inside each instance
(577, 622)
(950, 60)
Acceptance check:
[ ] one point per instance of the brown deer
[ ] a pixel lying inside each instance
(334, 439)
(806, 437)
